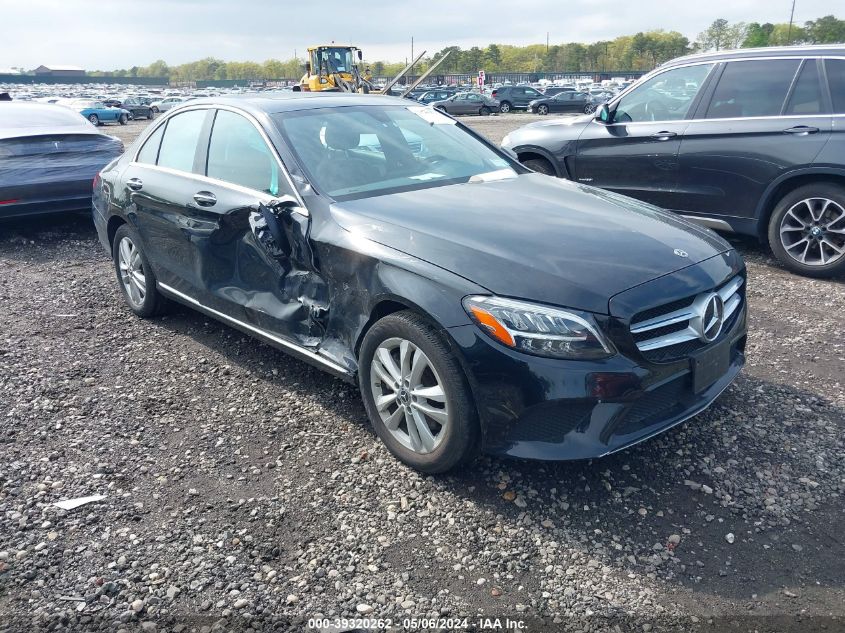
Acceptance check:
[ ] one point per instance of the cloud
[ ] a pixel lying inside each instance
(124, 34)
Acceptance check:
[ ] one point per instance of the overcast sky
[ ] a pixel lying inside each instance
(119, 34)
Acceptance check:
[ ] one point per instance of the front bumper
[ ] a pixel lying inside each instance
(542, 408)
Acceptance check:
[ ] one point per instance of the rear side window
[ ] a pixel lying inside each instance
(238, 154)
(836, 79)
(752, 88)
(149, 152)
(806, 97)
(179, 144)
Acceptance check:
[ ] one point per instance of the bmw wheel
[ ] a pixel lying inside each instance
(807, 230)
(416, 394)
(134, 274)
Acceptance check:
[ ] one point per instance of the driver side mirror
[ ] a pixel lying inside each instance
(603, 114)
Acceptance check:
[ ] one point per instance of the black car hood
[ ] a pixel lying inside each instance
(534, 237)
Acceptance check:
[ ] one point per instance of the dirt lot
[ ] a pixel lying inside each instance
(245, 490)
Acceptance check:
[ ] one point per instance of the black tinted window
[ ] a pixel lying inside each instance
(752, 88)
(836, 79)
(149, 152)
(238, 154)
(180, 140)
(806, 97)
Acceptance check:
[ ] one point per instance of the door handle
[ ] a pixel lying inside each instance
(801, 130)
(205, 198)
(664, 136)
(134, 184)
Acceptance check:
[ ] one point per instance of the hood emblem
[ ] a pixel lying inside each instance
(680, 253)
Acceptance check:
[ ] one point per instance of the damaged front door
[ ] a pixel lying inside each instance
(252, 253)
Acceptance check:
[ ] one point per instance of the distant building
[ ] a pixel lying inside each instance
(10, 71)
(60, 71)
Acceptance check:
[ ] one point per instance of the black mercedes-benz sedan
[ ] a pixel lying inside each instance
(476, 304)
(49, 155)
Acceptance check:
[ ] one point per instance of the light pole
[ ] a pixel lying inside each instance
(789, 30)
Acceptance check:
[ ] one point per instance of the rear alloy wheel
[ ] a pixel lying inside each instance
(135, 275)
(416, 394)
(504, 107)
(807, 230)
(589, 108)
(542, 109)
(123, 119)
(95, 120)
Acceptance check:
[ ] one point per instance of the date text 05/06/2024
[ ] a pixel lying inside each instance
(418, 624)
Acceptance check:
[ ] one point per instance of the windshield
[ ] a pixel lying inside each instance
(339, 59)
(362, 151)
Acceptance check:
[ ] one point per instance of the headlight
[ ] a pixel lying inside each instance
(538, 329)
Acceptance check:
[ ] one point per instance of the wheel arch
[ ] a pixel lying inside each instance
(786, 184)
(114, 223)
(527, 152)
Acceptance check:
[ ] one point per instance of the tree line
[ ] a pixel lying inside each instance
(641, 51)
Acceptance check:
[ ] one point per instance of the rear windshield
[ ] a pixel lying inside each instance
(362, 151)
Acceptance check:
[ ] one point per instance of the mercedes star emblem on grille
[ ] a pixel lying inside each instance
(712, 314)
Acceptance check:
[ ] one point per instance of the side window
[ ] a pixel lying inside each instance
(530, 92)
(806, 97)
(149, 152)
(752, 88)
(836, 79)
(238, 154)
(665, 97)
(179, 144)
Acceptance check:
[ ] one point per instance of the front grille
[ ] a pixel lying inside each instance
(672, 331)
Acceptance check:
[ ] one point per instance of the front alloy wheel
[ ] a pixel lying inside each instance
(416, 393)
(409, 395)
(542, 109)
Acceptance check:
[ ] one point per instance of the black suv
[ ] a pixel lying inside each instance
(751, 141)
(515, 97)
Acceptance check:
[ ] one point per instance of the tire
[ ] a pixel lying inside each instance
(152, 303)
(484, 111)
(589, 108)
(542, 109)
(94, 119)
(150, 114)
(456, 441)
(812, 216)
(540, 165)
(155, 109)
(505, 107)
(441, 109)
(123, 119)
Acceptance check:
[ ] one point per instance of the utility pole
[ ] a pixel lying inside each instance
(789, 30)
(547, 42)
(411, 72)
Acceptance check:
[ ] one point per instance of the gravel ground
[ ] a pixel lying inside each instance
(245, 490)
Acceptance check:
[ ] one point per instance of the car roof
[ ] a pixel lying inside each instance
(293, 101)
(773, 51)
(21, 119)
